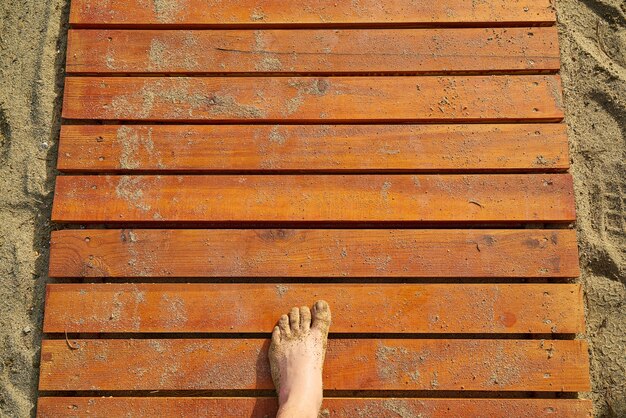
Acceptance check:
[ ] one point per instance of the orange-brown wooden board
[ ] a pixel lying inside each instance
(315, 198)
(361, 364)
(316, 99)
(314, 51)
(110, 407)
(311, 12)
(357, 308)
(313, 253)
(416, 148)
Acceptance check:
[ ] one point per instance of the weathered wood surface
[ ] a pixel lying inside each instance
(363, 114)
(336, 148)
(313, 51)
(319, 198)
(108, 407)
(310, 12)
(361, 364)
(319, 253)
(357, 308)
(316, 99)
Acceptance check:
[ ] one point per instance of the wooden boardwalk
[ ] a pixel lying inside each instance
(225, 160)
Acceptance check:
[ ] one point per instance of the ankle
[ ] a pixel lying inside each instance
(300, 402)
(305, 390)
(299, 408)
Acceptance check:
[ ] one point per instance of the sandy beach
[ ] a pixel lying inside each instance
(32, 57)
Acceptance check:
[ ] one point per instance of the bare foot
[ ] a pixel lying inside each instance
(296, 359)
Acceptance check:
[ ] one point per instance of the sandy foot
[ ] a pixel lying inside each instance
(297, 357)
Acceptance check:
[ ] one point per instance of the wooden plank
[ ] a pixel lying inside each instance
(308, 12)
(108, 407)
(315, 198)
(169, 148)
(315, 99)
(313, 51)
(313, 253)
(212, 308)
(361, 364)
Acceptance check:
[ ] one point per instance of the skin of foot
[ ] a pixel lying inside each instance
(296, 358)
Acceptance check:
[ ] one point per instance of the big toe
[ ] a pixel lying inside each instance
(320, 316)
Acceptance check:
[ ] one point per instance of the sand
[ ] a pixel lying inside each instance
(30, 88)
(593, 48)
(32, 47)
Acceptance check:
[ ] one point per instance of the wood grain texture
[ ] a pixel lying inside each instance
(108, 407)
(313, 253)
(357, 308)
(315, 99)
(310, 12)
(313, 51)
(329, 95)
(315, 198)
(361, 364)
(332, 148)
